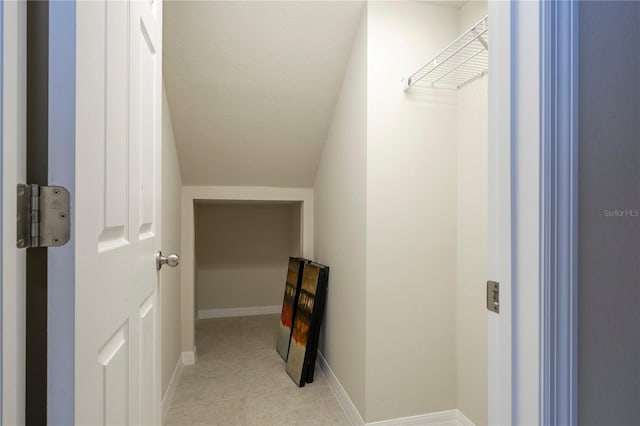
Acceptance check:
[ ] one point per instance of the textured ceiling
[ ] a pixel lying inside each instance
(252, 85)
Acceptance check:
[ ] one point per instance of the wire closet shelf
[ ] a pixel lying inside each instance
(460, 63)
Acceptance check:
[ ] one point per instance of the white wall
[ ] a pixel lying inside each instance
(472, 227)
(170, 234)
(411, 216)
(340, 218)
(242, 253)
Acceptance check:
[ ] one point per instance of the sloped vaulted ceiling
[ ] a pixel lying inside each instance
(252, 86)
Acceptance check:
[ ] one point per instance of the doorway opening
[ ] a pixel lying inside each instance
(198, 195)
(242, 250)
(400, 213)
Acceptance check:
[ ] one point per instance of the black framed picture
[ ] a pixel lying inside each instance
(306, 323)
(289, 305)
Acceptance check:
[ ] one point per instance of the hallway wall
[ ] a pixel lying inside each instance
(608, 222)
(170, 235)
(242, 253)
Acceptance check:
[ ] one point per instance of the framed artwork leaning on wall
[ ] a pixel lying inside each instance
(289, 304)
(305, 334)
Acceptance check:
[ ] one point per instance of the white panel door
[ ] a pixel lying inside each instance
(118, 142)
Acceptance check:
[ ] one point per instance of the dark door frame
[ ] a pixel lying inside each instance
(37, 173)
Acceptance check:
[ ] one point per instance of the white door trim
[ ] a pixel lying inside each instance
(499, 203)
(526, 216)
(230, 193)
(535, 380)
(61, 168)
(559, 127)
(515, 250)
(14, 169)
(2, 189)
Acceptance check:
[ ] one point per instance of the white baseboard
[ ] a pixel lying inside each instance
(464, 420)
(189, 357)
(239, 312)
(167, 399)
(441, 418)
(345, 402)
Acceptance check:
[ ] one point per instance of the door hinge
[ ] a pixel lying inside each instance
(43, 216)
(493, 296)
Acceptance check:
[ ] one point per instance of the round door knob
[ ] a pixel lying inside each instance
(172, 260)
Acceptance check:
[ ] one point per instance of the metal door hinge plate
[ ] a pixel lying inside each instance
(493, 296)
(42, 216)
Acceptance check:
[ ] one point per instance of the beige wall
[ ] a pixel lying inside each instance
(170, 234)
(340, 217)
(296, 229)
(471, 13)
(411, 216)
(242, 252)
(472, 237)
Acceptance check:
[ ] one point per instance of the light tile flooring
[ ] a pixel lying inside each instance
(239, 379)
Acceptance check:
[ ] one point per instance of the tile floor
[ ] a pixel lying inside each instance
(239, 379)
